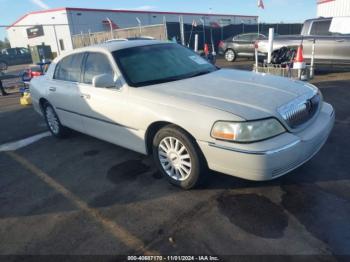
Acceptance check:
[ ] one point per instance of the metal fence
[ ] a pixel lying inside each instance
(155, 31)
(221, 33)
(172, 30)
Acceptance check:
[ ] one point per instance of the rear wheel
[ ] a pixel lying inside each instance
(53, 123)
(178, 157)
(230, 55)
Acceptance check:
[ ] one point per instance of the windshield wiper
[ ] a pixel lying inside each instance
(201, 73)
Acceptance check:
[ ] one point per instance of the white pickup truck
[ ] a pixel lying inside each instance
(330, 48)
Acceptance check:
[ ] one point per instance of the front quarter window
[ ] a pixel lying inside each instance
(159, 63)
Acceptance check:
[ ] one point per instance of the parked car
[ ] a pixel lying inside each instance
(14, 56)
(239, 46)
(330, 48)
(187, 113)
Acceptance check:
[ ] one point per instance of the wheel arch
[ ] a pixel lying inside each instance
(42, 102)
(155, 127)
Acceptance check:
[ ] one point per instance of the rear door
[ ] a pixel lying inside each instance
(63, 91)
(243, 44)
(324, 42)
(341, 54)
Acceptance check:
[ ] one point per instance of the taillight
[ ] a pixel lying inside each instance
(256, 44)
(35, 73)
(221, 43)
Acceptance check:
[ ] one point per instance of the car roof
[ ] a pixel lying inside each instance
(321, 18)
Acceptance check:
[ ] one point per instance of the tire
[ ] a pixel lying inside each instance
(230, 55)
(53, 123)
(3, 66)
(178, 157)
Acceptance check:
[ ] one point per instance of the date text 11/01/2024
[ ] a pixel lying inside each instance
(173, 258)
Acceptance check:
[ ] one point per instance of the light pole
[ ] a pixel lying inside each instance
(211, 33)
(203, 23)
(111, 26)
(242, 21)
(56, 40)
(140, 25)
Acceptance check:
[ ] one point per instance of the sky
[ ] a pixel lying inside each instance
(275, 10)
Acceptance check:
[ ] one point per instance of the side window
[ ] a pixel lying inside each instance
(69, 68)
(96, 64)
(244, 38)
(320, 28)
(253, 37)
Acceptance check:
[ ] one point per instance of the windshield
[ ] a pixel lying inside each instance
(160, 63)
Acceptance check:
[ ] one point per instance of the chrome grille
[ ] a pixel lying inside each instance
(301, 110)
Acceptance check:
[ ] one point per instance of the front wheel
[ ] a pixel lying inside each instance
(53, 123)
(230, 55)
(178, 157)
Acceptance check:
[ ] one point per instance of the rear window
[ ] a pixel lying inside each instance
(321, 28)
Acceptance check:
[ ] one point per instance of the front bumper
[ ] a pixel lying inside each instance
(271, 158)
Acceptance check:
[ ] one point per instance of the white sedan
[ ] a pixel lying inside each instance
(162, 99)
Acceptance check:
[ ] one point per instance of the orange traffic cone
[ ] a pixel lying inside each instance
(206, 49)
(299, 57)
(299, 62)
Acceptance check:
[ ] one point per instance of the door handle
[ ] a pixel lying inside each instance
(86, 96)
(340, 40)
(52, 89)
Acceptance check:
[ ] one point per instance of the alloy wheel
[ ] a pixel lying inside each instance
(52, 120)
(230, 55)
(174, 158)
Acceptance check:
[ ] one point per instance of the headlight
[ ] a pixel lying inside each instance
(247, 131)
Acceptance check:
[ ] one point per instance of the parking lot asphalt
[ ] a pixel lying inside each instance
(81, 195)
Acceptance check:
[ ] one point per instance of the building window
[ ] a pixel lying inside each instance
(61, 44)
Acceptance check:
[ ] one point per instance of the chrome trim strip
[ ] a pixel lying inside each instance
(95, 118)
(267, 152)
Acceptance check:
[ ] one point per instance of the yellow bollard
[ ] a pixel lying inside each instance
(25, 99)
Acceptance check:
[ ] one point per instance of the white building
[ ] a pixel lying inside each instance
(55, 27)
(333, 8)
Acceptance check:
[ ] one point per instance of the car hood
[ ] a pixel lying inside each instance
(246, 94)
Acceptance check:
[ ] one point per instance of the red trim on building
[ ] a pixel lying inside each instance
(124, 11)
(36, 12)
(324, 1)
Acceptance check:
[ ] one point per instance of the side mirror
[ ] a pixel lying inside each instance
(104, 80)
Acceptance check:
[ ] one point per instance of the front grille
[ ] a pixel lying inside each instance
(301, 110)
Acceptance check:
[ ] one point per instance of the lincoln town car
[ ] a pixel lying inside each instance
(162, 99)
